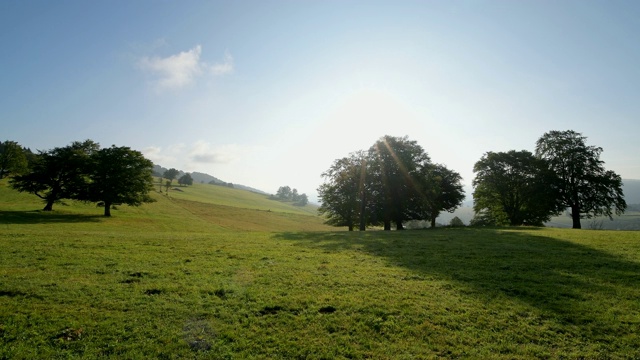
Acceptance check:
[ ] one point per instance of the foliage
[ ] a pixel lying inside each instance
(583, 184)
(343, 194)
(13, 159)
(286, 193)
(185, 179)
(442, 190)
(513, 188)
(456, 222)
(395, 164)
(58, 174)
(394, 182)
(120, 175)
(170, 175)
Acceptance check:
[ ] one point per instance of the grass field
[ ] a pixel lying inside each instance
(179, 279)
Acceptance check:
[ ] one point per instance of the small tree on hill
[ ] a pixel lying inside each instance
(456, 222)
(170, 175)
(185, 179)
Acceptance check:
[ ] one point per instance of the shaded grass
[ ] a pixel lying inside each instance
(478, 293)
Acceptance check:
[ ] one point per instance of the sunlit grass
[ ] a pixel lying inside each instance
(167, 281)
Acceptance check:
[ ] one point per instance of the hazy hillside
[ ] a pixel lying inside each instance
(631, 188)
(203, 178)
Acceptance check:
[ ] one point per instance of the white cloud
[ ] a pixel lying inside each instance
(204, 153)
(175, 71)
(225, 67)
(182, 69)
(155, 154)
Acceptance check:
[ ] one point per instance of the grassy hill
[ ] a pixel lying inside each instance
(197, 208)
(212, 275)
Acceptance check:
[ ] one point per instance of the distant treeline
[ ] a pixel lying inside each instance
(287, 194)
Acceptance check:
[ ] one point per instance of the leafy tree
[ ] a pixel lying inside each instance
(12, 158)
(442, 190)
(58, 174)
(284, 193)
(342, 195)
(583, 184)
(185, 179)
(170, 175)
(120, 175)
(456, 222)
(394, 172)
(512, 188)
(302, 200)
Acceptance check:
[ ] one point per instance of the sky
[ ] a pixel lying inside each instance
(270, 93)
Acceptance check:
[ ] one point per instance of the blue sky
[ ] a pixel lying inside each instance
(269, 93)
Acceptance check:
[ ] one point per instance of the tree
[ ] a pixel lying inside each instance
(342, 195)
(185, 179)
(284, 193)
(170, 175)
(302, 200)
(120, 175)
(394, 171)
(456, 222)
(512, 188)
(583, 185)
(58, 174)
(442, 190)
(12, 158)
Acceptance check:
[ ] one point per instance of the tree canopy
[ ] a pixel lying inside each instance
(82, 171)
(185, 179)
(120, 175)
(13, 158)
(393, 182)
(58, 173)
(512, 188)
(342, 196)
(582, 183)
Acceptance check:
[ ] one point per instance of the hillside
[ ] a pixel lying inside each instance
(202, 178)
(197, 208)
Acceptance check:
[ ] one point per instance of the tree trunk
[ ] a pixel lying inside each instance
(107, 208)
(363, 209)
(48, 206)
(575, 215)
(387, 225)
(433, 222)
(399, 225)
(350, 227)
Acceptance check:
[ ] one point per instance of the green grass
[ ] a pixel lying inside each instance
(76, 285)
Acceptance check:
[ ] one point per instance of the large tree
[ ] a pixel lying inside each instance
(342, 195)
(394, 175)
(583, 184)
(442, 190)
(120, 175)
(58, 174)
(12, 158)
(513, 188)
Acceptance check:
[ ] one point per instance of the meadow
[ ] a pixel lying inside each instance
(193, 277)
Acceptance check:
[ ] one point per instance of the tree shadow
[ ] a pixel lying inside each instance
(574, 284)
(44, 217)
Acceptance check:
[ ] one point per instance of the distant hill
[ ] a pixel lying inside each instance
(203, 178)
(631, 188)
